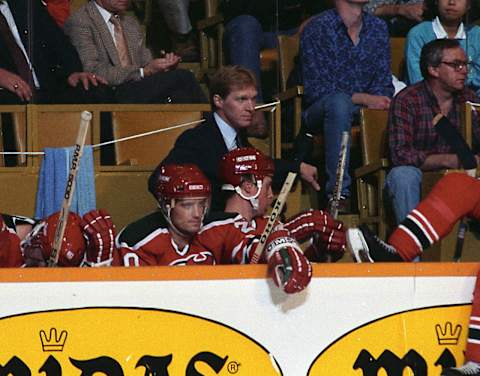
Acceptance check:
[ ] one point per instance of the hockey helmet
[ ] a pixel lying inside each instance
(244, 161)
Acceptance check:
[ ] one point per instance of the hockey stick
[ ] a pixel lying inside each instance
(69, 189)
(277, 209)
(342, 161)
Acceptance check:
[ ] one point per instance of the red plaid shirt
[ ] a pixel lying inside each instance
(411, 134)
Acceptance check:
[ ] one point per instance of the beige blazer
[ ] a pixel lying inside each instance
(90, 36)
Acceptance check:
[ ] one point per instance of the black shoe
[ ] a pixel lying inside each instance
(367, 247)
(469, 368)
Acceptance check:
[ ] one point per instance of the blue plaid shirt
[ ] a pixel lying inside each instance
(332, 63)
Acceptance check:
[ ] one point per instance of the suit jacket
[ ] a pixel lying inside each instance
(92, 39)
(53, 56)
(204, 146)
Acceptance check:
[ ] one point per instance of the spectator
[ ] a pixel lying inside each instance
(111, 45)
(346, 65)
(400, 15)
(414, 143)
(175, 13)
(45, 68)
(446, 24)
(252, 26)
(233, 97)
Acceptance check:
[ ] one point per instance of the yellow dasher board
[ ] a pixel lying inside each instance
(431, 338)
(127, 341)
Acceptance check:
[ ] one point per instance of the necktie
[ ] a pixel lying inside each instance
(21, 64)
(120, 41)
(238, 141)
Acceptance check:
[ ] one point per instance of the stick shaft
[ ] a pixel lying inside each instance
(69, 189)
(277, 209)
(342, 161)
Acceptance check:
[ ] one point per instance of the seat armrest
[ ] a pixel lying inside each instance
(296, 91)
(371, 168)
(209, 22)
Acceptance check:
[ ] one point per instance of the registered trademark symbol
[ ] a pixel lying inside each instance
(233, 367)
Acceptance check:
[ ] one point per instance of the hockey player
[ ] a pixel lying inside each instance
(180, 234)
(245, 196)
(88, 241)
(454, 196)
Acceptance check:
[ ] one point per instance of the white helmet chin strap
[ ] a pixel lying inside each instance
(166, 213)
(252, 199)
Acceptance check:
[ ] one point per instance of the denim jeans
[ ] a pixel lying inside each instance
(334, 114)
(403, 185)
(243, 39)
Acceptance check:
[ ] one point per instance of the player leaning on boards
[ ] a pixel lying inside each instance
(88, 241)
(180, 234)
(246, 178)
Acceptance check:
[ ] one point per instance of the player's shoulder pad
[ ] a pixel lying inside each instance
(140, 229)
(218, 216)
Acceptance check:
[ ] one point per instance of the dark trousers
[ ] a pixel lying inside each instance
(176, 86)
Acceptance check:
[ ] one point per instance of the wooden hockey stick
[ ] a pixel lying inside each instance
(69, 189)
(277, 209)
(342, 161)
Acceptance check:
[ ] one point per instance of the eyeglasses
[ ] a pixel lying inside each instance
(457, 65)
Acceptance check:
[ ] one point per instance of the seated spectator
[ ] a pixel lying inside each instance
(346, 65)
(111, 45)
(175, 14)
(414, 143)
(251, 26)
(59, 10)
(46, 69)
(446, 24)
(233, 97)
(400, 15)
(88, 241)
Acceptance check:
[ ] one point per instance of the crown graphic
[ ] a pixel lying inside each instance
(447, 335)
(53, 342)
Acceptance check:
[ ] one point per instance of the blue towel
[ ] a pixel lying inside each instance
(52, 180)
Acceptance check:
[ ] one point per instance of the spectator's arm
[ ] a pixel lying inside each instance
(381, 83)
(318, 62)
(401, 128)
(413, 46)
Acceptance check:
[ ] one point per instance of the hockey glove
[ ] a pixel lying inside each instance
(288, 267)
(327, 234)
(100, 232)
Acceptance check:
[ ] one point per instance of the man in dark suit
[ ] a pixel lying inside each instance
(37, 61)
(111, 44)
(233, 96)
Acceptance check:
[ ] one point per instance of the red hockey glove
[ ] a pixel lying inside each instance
(328, 235)
(288, 267)
(100, 231)
(10, 255)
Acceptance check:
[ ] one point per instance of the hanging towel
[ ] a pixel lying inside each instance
(52, 180)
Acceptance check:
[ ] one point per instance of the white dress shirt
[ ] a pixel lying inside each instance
(229, 133)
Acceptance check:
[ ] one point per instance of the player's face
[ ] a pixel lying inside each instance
(265, 197)
(114, 6)
(187, 214)
(452, 10)
(450, 74)
(238, 107)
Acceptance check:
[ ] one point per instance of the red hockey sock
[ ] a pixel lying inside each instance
(473, 341)
(454, 196)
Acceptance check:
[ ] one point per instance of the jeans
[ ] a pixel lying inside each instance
(334, 113)
(243, 39)
(403, 184)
